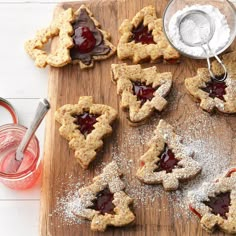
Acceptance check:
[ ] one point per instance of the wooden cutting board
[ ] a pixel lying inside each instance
(67, 84)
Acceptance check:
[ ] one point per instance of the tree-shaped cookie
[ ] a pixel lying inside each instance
(104, 202)
(142, 90)
(90, 42)
(215, 203)
(211, 93)
(84, 125)
(143, 39)
(61, 27)
(166, 161)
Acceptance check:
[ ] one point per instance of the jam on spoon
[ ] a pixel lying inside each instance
(85, 122)
(142, 34)
(103, 202)
(219, 204)
(216, 89)
(167, 161)
(143, 92)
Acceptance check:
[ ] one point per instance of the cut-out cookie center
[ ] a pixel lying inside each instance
(215, 89)
(84, 40)
(103, 202)
(219, 204)
(85, 122)
(143, 92)
(142, 34)
(88, 40)
(167, 161)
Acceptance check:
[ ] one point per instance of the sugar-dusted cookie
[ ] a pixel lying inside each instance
(61, 27)
(211, 93)
(104, 202)
(166, 160)
(143, 39)
(84, 125)
(142, 90)
(90, 42)
(215, 203)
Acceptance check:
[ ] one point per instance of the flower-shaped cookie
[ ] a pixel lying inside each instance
(166, 160)
(84, 125)
(143, 39)
(211, 93)
(215, 203)
(104, 202)
(142, 90)
(90, 42)
(61, 27)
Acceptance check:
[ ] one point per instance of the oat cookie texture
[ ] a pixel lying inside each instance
(166, 162)
(142, 90)
(84, 125)
(115, 211)
(215, 203)
(142, 39)
(61, 27)
(213, 95)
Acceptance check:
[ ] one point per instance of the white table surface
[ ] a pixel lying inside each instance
(22, 84)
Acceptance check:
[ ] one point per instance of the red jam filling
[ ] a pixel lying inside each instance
(231, 172)
(143, 92)
(84, 39)
(167, 161)
(219, 204)
(85, 122)
(141, 34)
(103, 202)
(215, 89)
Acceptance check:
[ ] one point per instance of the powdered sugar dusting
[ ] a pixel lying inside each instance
(196, 137)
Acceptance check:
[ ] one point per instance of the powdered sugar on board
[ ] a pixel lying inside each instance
(197, 137)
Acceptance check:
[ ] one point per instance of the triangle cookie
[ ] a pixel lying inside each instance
(84, 125)
(215, 203)
(143, 39)
(90, 42)
(213, 94)
(142, 90)
(104, 202)
(166, 161)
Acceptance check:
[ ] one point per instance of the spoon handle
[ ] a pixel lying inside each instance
(41, 111)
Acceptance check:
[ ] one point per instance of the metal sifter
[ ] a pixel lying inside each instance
(196, 29)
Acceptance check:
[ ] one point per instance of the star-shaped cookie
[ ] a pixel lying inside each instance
(143, 39)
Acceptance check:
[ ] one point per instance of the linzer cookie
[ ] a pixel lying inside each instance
(166, 161)
(84, 125)
(90, 42)
(211, 93)
(215, 204)
(142, 90)
(143, 39)
(61, 27)
(104, 202)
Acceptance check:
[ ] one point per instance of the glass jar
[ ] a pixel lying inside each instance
(18, 174)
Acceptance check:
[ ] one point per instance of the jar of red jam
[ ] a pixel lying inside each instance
(18, 174)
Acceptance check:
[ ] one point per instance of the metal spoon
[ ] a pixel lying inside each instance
(41, 111)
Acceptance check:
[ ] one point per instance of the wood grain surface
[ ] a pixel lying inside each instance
(67, 84)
